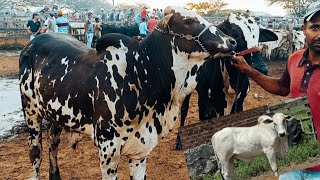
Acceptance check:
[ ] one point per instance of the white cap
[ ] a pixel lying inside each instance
(312, 10)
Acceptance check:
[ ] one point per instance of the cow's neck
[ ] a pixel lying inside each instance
(171, 75)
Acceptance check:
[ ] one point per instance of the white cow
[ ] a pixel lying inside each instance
(267, 47)
(298, 40)
(269, 136)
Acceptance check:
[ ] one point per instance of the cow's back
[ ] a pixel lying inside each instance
(62, 77)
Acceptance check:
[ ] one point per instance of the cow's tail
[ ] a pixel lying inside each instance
(215, 155)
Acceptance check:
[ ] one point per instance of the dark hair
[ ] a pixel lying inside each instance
(96, 19)
(34, 15)
(143, 19)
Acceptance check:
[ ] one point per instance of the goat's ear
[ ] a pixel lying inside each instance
(267, 121)
(288, 117)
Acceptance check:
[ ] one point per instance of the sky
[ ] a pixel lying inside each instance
(252, 5)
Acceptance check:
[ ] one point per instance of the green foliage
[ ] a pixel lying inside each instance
(295, 7)
(296, 155)
(15, 46)
(136, 7)
(207, 7)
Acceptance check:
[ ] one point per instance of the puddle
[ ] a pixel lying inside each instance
(9, 53)
(11, 115)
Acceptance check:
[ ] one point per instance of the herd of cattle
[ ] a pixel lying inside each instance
(126, 94)
(288, 42)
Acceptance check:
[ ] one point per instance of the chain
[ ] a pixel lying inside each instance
(188, 36)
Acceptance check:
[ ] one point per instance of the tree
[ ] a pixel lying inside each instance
(207, 7)
(297, 8)
(136, 7)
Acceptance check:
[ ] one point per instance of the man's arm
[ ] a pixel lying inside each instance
(272, 85)
(28, 29)
(85, 27)
(39, 30)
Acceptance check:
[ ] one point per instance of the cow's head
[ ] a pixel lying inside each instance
(246, 32)
(298, 40)
(278, 120)
(190, 30)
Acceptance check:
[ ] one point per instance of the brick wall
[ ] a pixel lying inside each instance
(200, 133)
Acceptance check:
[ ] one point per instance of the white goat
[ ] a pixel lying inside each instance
(269, 136)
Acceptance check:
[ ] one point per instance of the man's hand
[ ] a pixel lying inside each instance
(240, 63)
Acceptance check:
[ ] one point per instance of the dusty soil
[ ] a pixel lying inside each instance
(163, 163)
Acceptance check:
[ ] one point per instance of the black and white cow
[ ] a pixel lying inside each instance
(215, 76)
(125, 94)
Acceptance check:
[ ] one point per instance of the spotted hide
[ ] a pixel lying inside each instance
(215, 77)
(125, 94)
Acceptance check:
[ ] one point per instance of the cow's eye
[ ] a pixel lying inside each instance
(188, 21)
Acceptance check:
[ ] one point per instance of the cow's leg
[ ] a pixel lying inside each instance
(270, 153)
(231, 169)
(109, 156)
(138, 169)
(35, 137)
(53, 140)
(34, 122)
(244, 90)
(184, 113)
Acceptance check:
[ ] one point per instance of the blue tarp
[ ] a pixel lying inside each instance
(305, 174)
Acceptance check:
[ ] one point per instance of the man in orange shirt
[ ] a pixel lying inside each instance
(152, 23)
(302, 74)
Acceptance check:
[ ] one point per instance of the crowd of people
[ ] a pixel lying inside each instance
(53, 20)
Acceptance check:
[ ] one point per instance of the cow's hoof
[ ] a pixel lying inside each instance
(55, 177)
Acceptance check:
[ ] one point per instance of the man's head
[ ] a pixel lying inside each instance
(59, 13)
(55, 6)
(35, 16)
(90, 14)
(311, 27)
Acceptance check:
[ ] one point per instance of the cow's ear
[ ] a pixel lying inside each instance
(168, 10)
(267, 121)
(164, 23)
(266, 35)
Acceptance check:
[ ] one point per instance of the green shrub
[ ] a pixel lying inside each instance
(15, 46)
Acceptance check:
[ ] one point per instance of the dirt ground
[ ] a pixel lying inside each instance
(163, 163)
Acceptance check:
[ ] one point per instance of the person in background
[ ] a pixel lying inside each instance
(144, 13)
(55, 8)
(88, 29)
(152, 23)
(143, 29)
(34, 26)
(112, 15)
(97, 32)
(63, 23)
(43, 17)
(46, 9)
(160, 14)
(50, 24)
(302, 74)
